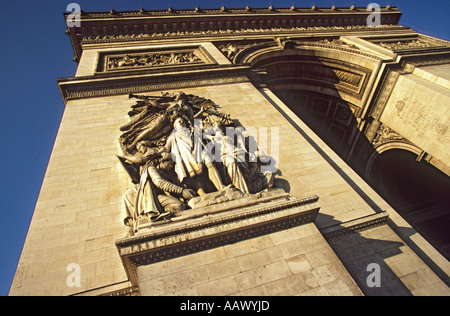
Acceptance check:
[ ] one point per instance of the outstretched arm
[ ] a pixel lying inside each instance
(141, 160)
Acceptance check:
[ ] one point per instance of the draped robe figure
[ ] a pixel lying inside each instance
(188, 160)
(154, 197)
(186, 150)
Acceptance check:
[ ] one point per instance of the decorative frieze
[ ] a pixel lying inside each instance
(150, 86)
(337, 42)
(405, 44)
(90, 39)
(150, 60)
(418, 42)
(153, 58)
(83, 88)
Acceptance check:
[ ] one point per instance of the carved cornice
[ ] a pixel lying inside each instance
(130, 291)
(355, 225)
(96, 39)
(146, 80)
(223, 11)
(149, 25)
(207, 230)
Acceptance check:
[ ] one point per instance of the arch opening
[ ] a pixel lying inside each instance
(418, 191)
(330, 103)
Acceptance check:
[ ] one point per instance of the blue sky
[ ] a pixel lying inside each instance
(35, 51)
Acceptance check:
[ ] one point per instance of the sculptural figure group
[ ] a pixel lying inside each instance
(177, 148)
(151, 60)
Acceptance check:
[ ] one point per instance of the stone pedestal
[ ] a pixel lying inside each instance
(214, 226)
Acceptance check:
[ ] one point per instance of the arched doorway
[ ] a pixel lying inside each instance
(418, 191)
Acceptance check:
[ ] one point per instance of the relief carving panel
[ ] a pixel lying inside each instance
(151, 58)
(182, 153)
(412, 43)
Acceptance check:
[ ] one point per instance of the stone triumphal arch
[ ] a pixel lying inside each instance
(338, 159)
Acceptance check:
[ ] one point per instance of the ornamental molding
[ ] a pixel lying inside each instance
(387, 86)
(95, 86)
(410, 63)
(355, 226)
(386, 137)
(137, 88)
(110, 38)
(144, 25)
(129, 291)
(237, 51)
(347, 77)
(223, 12)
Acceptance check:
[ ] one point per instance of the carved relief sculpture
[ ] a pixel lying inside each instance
(386, 134)
(150, 60)
(405, 44)
(420, 42)
(178, 155)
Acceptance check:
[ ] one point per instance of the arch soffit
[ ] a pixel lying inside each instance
(356, 67)
(258, 53)
(391, 145)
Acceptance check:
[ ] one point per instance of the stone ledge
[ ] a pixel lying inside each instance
(212, 227)
(117, 289)
(355, 225)
(145, 80)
